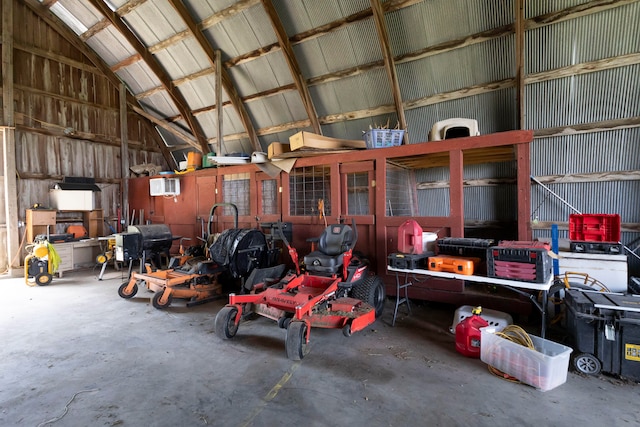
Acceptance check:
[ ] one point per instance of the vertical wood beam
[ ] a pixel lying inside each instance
(389, 64)
(124, 152)
(456, 193)
(519, 33)
(523, 156)
(219, 102)
(9, 141)
(227, 83)
(292, 62)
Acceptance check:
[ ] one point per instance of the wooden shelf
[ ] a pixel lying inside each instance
(39, 221)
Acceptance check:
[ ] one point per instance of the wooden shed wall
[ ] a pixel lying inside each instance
(67, 121)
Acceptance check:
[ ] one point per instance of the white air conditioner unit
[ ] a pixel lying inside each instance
(164, 186)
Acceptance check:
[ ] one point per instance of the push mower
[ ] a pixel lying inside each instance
(336, 291)
(235, 252)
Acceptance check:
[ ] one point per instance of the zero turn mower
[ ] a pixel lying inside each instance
(336, 291)
(235, 253)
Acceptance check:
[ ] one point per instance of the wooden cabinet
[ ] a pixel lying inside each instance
(38, 221)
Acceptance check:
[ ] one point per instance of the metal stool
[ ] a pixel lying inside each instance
(401, 299)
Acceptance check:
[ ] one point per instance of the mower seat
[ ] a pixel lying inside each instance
(332, 244)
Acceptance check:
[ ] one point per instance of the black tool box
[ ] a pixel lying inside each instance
(605, 332)
(463, 246)
(409, 261)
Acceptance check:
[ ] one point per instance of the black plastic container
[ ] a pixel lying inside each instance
(605, 332)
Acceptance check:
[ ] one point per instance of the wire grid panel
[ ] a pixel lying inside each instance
(402, 198)
(269, 202)
(236, 190)
(309, 185)
(358, 193)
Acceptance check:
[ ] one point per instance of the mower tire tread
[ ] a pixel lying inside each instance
(155, 300)
(371, 291)
(225, 323)
(123, 293)
(296, 343)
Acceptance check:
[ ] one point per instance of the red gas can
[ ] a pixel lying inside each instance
(410, 238)
(468, 334)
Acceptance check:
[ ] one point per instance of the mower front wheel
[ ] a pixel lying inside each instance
(159, 304)
(296, 343)
(225, 323)
(43, 279)
(124, 293)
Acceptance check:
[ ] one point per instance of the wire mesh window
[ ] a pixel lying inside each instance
(269, 193)
(236, 190)
(401, 192)
(309, 185)
(358, 193)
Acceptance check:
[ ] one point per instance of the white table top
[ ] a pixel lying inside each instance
(480, 279)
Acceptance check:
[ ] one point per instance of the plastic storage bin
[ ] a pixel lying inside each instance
(524, 264)
(464, 246)
(544, 367)
(382, 138)
(452, 264)
(594, 227)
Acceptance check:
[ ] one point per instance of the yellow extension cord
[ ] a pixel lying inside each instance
(517, 335)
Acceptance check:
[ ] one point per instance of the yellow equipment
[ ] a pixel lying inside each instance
(40, 263)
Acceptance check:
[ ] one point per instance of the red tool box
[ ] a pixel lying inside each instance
(594, 227)
(525, 264)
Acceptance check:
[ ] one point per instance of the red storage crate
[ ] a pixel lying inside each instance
(594, 227)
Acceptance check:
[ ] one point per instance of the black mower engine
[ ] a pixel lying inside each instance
(241, 250)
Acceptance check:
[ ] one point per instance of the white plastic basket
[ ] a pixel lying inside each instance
(497, 319)
(382, 138)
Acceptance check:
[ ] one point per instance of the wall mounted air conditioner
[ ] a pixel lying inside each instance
(164, 186)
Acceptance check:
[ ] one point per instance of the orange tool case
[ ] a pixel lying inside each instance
(453, 264)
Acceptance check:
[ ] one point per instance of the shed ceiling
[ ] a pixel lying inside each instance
(300, 65)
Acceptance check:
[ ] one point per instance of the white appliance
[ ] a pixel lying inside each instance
(164, 186)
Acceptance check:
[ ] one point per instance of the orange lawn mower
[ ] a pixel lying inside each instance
(336, 291)
(234, 253)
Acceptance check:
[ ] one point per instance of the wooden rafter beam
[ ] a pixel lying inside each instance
(95, 29)
(290, 58)
(151, 62)
(164, 125)
(389, 64)
(603, 126)
(574, 12)
(227, 83)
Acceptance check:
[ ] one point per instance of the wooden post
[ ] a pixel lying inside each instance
(519, 27)
(389, 64)
(456, 193)
(219, 102)
(124, 153)
(9, 144)
(524, 191)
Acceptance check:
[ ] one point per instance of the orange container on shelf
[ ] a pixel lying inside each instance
(194, 160)
(453, 264)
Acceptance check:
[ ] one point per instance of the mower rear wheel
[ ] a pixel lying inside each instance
(43, 279)
(122, 290)
(296, 343)
(157, 303)
(225, 323)
(371, 291)
(346, 330)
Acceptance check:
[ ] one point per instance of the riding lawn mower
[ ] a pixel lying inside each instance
(336, 291)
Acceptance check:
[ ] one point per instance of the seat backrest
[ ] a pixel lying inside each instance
(335, 239)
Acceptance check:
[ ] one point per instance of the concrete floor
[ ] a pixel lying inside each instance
(76, 354)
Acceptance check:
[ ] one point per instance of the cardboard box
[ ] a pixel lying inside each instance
(312, 140)
(277, 149)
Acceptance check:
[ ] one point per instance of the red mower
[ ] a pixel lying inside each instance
(336, 291)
